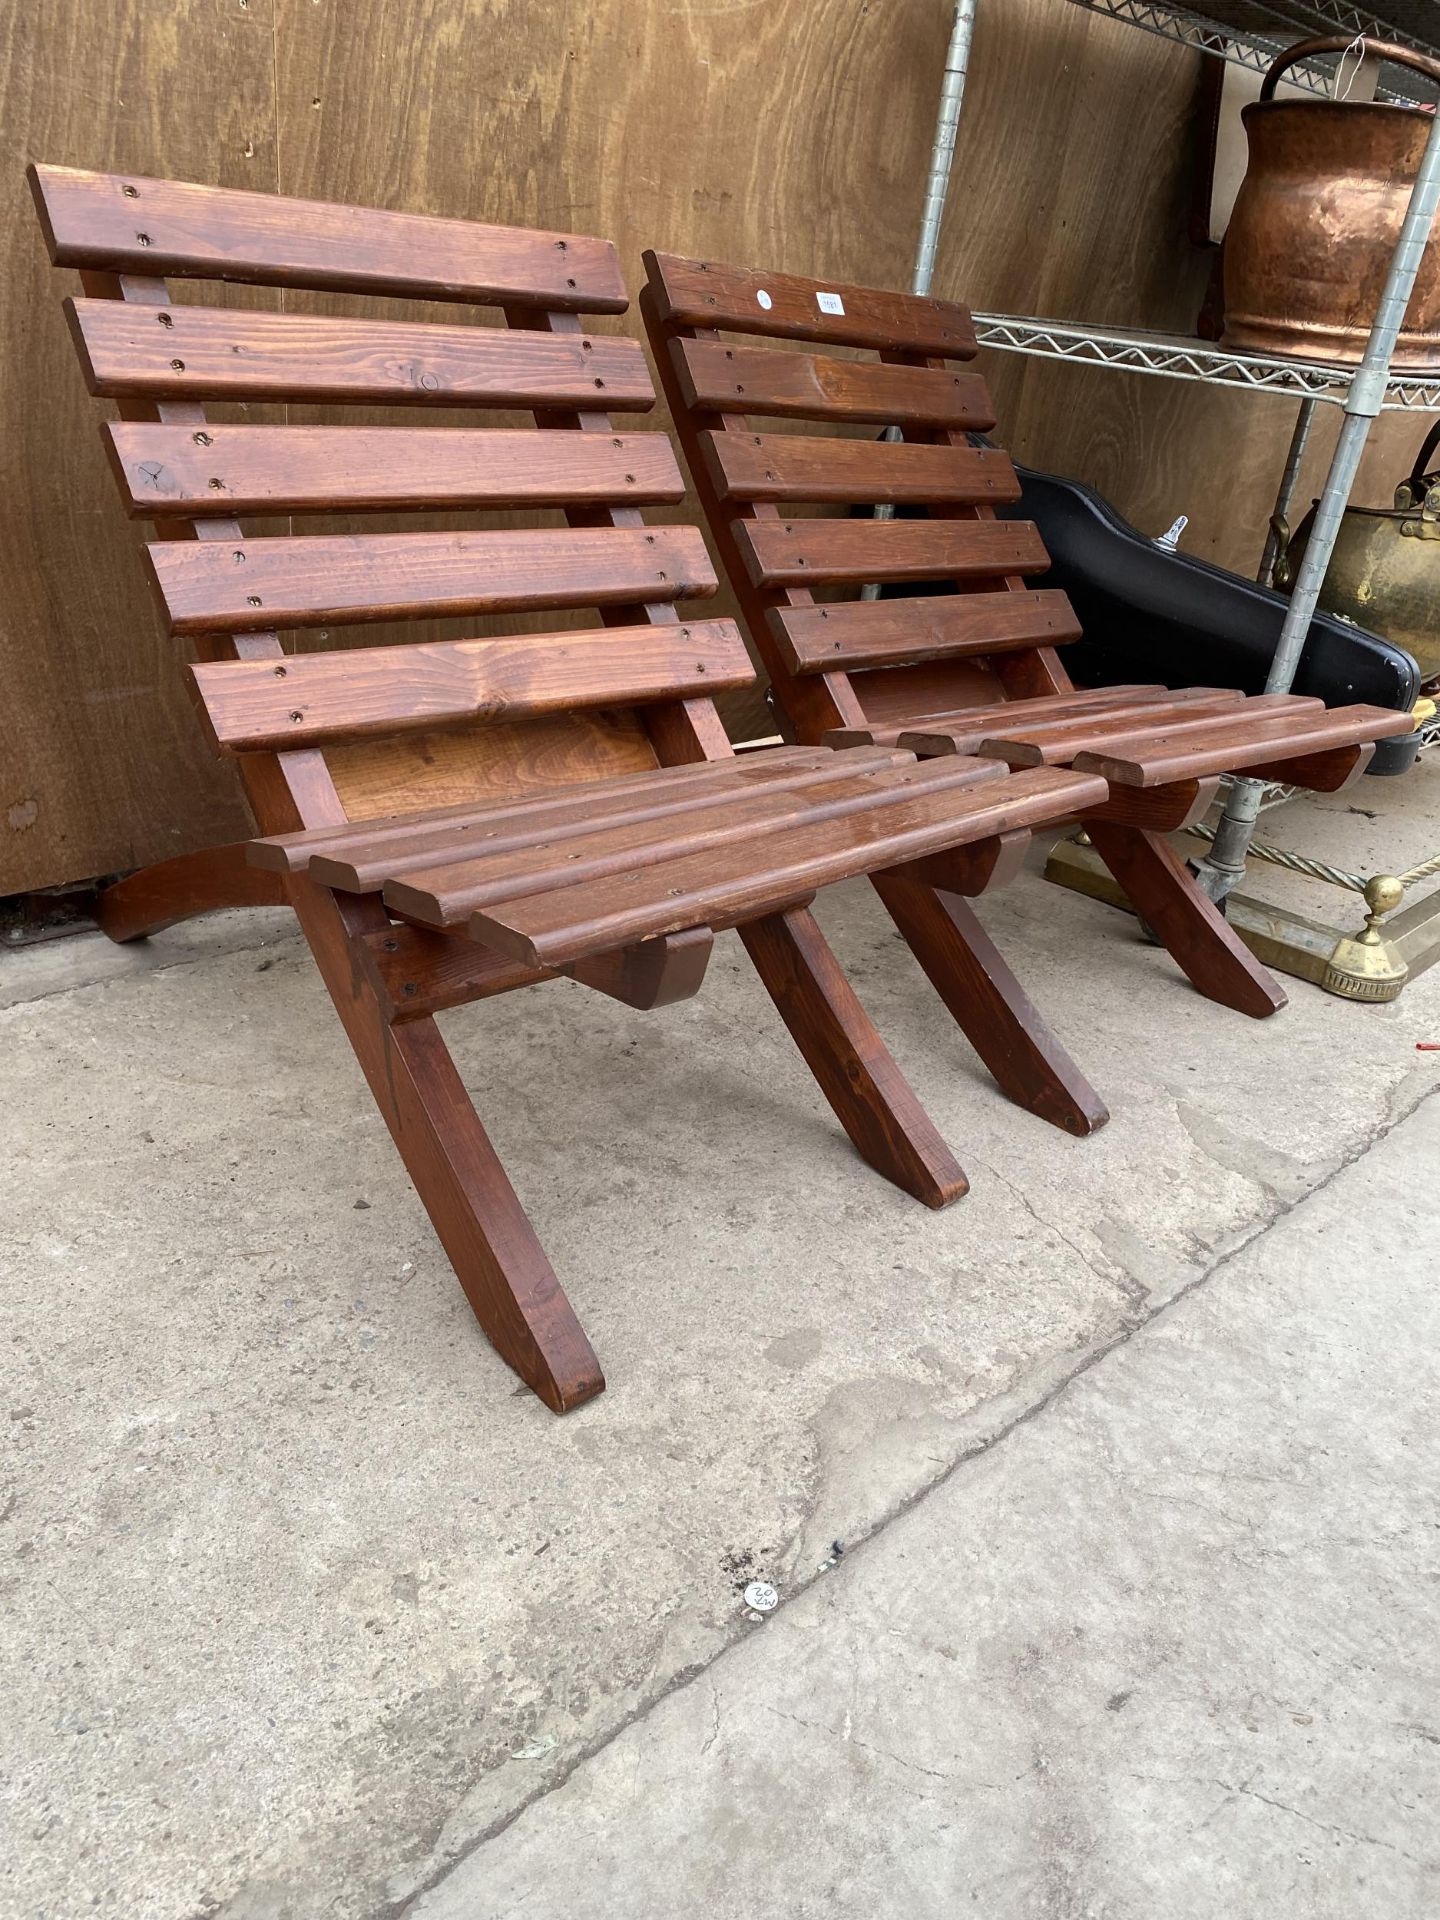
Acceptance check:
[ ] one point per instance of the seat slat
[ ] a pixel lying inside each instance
(166, 470)
(192, 353)
(361, 867)
(311, 697)
(953, 732)
(1187, 753)
(725, 886)
(359, 839)
(704, 293)
(128, 223)
(784, 466)
(445, 895)
(802, 553)
(774, 381)
(882, 633)
(256, 585)
(1055, 743)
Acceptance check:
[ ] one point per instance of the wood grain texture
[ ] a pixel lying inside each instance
(445, 895)
(166, 469)
(878, 633)
(254, 585)
(534, 812)
(375, 690)
(357, 864)
(712, 293)
(734, 884)
(422, 770)
(786, 466)
(1192, 753)
(805, 553)
(771, 381)
(126, 223)
(208, 353)
(866, 1090)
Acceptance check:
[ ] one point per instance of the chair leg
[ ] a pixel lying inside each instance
(870, 1096)
(201, 882)
(1199, 937)
(991, 1007)
(497, 1258)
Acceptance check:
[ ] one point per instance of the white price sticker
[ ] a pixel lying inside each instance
(763, 299)
(829, 303)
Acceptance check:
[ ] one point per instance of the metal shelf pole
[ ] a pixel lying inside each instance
(1224, 866)
(937, 185)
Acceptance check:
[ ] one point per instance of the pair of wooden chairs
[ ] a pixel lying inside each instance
(454, 818)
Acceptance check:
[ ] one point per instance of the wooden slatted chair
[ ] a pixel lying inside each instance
(451, 819)
(970, 670)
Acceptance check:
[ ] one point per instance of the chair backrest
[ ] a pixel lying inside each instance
(836, 661)
(396, 723)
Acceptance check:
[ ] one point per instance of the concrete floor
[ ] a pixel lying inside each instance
(305, 1600)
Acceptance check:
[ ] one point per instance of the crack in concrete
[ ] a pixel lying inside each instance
(1089, 1358)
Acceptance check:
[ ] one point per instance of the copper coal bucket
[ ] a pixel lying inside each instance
(1318, 216)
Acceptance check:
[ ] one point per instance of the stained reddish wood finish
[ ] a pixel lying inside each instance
(126, 223)
(369, 849)
(791, 466)
(806, 553)
(251, 586)
(321, 696)
(730, 885)
(772, 383)
(1162, 777)
(949, 732)
(707, 293)
(1192, 752)
(867, 1092)
(879, 633)
(232, 470)
(161, 896)
(447, 892)
(215, 353)
(704, 381)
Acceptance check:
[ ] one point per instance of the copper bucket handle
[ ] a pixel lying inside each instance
(1341, 43)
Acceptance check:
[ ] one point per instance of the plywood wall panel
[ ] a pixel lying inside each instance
(794, 135)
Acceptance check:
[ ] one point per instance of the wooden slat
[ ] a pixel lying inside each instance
(962, 729)
(255, 585)
(385, 838)
(779, 382)
(705, 293)
(884, 633)
(325, 696)
(785, 466)
(192, 353)
(365, 868)
(804, 553)
(445, 895)
(1191, 754)
(736, 883)
(169, 470)
(1055, 743)
(127, 223)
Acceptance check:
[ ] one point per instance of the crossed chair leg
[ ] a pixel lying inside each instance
(491, 1244)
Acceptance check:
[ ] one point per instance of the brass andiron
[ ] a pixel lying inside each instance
(1364, 965)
